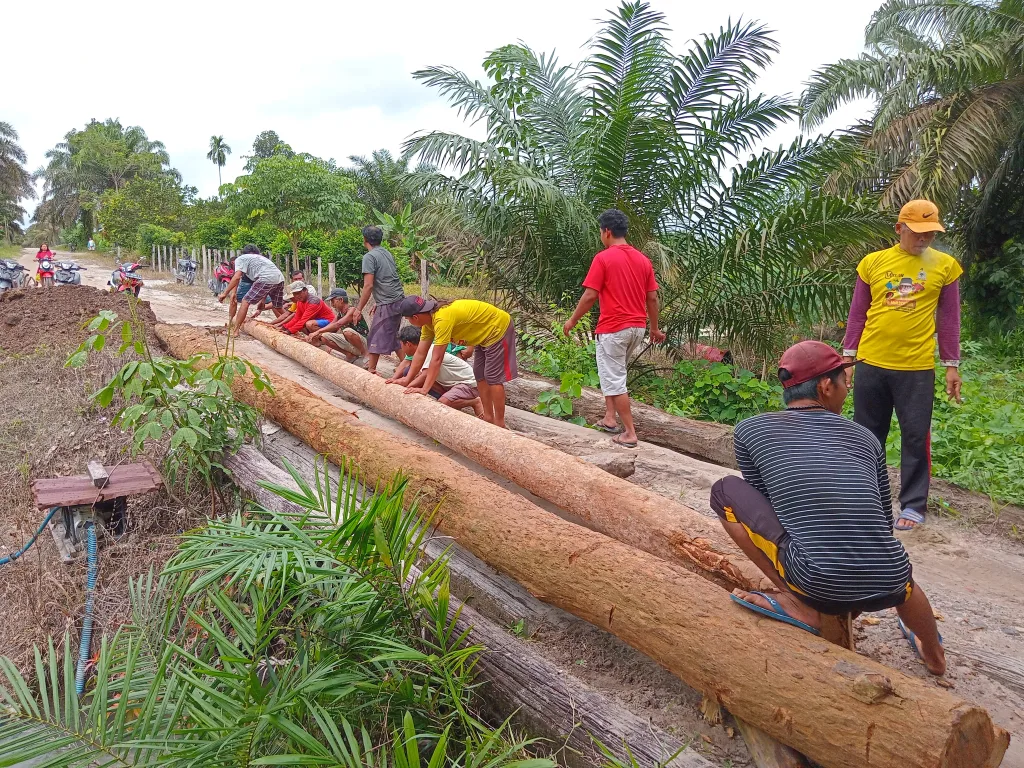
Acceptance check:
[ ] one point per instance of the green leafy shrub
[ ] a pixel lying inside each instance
(261, 235)
(214, 233)
(152, 234)
(345, 249)
(711, 392)
(559, 405)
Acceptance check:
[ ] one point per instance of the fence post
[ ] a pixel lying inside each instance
(320, 275)
(424, 279)
(330, 276)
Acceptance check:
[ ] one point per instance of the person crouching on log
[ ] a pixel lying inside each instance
(813, 509)
(467, 322)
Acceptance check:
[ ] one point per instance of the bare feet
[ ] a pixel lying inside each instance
(935, 661)
(790, 604)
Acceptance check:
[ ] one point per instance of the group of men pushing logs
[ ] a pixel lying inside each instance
(813, 508)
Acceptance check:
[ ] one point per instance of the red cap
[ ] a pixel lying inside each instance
(808, 360)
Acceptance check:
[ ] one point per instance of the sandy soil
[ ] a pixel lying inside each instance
(973, 580)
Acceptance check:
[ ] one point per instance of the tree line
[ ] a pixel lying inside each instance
(747, 244)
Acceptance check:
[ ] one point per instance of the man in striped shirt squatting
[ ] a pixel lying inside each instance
(813, 509)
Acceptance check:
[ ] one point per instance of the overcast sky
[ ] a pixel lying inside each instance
(332, 79)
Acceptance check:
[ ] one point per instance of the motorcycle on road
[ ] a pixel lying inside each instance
(45, 272)
(67, 273)
(186, 271)
(126, 278)
(12, 275)
(221, 277)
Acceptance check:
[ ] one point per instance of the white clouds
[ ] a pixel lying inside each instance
(331, 78)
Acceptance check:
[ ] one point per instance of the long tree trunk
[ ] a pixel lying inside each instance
(611, 505)
(836, 707)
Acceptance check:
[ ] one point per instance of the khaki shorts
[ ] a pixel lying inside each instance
(614, 353)
(339, 340)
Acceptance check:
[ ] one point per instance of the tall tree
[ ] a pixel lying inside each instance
(15, 181)
(218, 155)
(267, 144)
(947, 78)
(383, 182)
(742, 247)
(297, 194)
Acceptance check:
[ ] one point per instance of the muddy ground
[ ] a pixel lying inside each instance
(970, 570)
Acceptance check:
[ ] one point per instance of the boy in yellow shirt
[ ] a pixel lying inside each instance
(903, 296)
(469, 323)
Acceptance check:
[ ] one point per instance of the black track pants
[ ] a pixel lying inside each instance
(877, 392)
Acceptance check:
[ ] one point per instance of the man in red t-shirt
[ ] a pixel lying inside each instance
(623, 279)
(311, 312)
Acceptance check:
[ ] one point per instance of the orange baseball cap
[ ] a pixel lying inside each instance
(921, 216)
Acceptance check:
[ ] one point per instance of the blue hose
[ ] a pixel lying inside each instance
(23, 550)
(90, 588)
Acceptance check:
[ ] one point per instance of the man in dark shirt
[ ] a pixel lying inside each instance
(380, 278)
(814, 512)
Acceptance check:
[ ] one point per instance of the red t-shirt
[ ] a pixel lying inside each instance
(315, 309)
(623, 277)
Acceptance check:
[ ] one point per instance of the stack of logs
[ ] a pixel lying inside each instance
(661, 592)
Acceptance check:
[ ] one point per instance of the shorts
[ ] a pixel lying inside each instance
(737, 501)
(614, 354)
(460, 392)
(383, 336)
(322, 323)
(261, 291)
(496, 364)
(243, 288)
(339, 340)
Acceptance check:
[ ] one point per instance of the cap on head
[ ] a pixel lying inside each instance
(295, 287)
(921, 216)
(416, 305)
(337, 293)
(808, 360)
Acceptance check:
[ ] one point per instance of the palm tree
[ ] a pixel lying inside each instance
(383, 182)
(218, 155)
(15, 181)
(743, 246)
(947, 77)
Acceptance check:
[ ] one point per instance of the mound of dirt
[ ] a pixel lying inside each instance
(57, 317)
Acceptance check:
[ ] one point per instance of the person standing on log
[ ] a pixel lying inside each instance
(902, 296)
(470, 323)
(813, 509)
(380, 278)
(622, 279)
(267, 283)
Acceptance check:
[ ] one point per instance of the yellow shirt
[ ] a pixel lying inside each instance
(467, 322)
(900, 329)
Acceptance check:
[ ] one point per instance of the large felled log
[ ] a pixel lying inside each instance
(607, 503)
(699, 438)
(544, 698)
(838, 708)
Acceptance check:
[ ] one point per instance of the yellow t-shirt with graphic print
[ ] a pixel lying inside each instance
(900, 329)
(467, 322)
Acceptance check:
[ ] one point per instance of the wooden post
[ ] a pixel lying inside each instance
(320, 275)
(152, 256)
(119, 254)
(424, 279)
(330, 277)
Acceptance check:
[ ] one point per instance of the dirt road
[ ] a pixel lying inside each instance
(973, 580)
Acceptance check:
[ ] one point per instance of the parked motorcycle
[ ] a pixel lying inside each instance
(67, 273)
(186, 271)
(126, 278)
(45, 272)
(12, 275)
(221, 277)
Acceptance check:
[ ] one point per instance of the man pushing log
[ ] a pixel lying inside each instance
(813, 510)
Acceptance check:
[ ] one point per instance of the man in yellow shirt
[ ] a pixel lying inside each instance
(469, 323)
(903, 296)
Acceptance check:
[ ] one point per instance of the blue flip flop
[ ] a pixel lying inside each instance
(778, 613)
(912, 638)
(909, 516)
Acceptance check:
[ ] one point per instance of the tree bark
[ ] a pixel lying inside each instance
(704, 439)
(839, 709)
(543, 698)
(633, 515)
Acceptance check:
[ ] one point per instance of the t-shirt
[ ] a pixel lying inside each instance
(259, 269)
(387, 287)
(454, 370)
(623, 277)
(900, 328)
(313, 309)
(826, 478)
(467, 322)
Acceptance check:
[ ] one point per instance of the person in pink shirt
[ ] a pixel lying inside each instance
(622, 279)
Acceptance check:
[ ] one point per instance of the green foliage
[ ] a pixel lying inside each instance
(345, 249)
(74, 236)
(743, 247)
(711, 392)
(15, 182)
(218, 154)
(267, 144)
(559, 405)
(296, 194)
(214, 233)
(274, 639)
(261, 234)
(163, 397)
(150, 235)
(156, 201)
